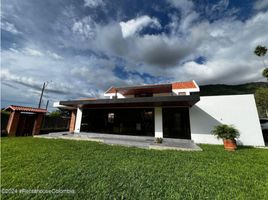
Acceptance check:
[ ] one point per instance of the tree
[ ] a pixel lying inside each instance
(261, 51)
(265, 73)
(261, 96)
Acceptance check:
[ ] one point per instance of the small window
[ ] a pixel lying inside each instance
(111, 118)
(182, 93)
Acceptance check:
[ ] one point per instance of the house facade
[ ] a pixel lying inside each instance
(173, 110)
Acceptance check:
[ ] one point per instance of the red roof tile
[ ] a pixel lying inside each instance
(154, 88)
(26, 109)
(111, 90)
(183, 85)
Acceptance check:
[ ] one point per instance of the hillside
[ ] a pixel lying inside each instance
(221, 89)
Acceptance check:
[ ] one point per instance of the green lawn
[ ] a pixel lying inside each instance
(98, 171)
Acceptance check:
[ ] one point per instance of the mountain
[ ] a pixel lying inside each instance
(221, 89)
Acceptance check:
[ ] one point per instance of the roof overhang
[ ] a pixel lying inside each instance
(165, 101)
(15, 108)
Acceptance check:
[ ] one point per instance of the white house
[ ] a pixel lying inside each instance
(173, 110)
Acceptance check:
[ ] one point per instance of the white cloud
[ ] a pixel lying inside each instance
(32, 52)
(261, 4)
(9, 27)
(185, 6)
(85, 28)
(93, 3)
(133, 26)
(229, 55)
(54, 55)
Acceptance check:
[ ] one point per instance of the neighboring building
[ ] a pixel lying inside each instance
(173, 110)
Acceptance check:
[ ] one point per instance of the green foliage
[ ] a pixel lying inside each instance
(99, 171)
(3, 112)
(265, 73)
(158, 140)
(225, 131)
(261, 97)
(220, 89)
(260, 50)
(56, 113)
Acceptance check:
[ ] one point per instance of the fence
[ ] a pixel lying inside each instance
(54, 124)
(50, 123)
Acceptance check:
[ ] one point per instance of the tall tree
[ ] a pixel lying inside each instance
(261, 96)
(261, 52)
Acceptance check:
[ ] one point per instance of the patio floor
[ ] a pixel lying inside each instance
(127, 140)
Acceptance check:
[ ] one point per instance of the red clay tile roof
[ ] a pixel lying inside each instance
(154, 88)
(26, 109)
(111, 90)
(183, 85)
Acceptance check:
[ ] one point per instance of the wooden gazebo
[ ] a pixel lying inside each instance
(24, 121)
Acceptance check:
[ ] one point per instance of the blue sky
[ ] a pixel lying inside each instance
(85, 46)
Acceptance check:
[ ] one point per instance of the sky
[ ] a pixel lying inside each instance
(83, 47)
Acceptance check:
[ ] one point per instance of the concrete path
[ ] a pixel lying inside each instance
(127, 140)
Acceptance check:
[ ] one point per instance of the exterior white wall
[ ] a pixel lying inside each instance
(158, 122)
(57, 105)
(78, 120)
(237, 110)
(119, 96)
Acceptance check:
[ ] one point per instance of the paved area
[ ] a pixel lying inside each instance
(127, 140)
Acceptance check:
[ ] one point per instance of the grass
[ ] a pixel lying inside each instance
(99, 171)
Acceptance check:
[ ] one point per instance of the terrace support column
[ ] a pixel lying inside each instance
(78, 120)
(72, 121)
(158, 122)
(13, 122)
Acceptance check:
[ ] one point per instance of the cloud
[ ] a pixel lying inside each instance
(133, 26)
(9, 27)
(83, 42)
(84, 28)
(93, 3)
(261, 4)
(185, 6)
(32, 52)
(54, 55)
(228, 59)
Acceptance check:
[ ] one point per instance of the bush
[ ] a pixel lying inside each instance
(158, 140)
(225, 131)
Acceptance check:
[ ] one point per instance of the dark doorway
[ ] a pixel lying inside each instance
(119, 121)
(176, 123)
(26, 124)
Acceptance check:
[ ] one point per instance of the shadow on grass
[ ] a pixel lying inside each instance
(241, 148)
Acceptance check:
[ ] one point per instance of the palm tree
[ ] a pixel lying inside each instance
(261, 51)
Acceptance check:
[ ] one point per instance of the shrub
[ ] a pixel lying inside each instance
(158, 140)
(225, 131)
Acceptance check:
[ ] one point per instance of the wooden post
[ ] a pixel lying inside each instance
(72, 121)
(13, 122)
(37, 123)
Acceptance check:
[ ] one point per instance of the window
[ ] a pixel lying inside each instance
(111, 118)
(182, 93)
